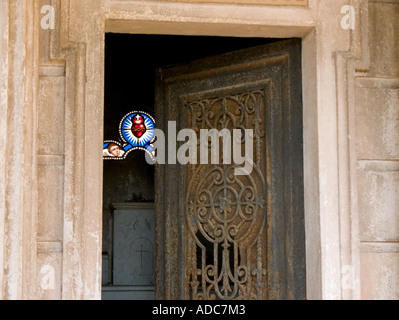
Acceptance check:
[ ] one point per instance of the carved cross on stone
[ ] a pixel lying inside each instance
(141, 251)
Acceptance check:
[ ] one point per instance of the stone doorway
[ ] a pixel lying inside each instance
(131, 62)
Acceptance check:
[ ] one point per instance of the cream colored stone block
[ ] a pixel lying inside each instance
(50, 202)
(51, 114)
(384, 39)
(379, 276)
(378, 202)
(377, 123)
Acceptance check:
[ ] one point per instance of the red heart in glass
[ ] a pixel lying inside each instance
(138, 128)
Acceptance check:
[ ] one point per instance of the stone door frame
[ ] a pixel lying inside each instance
(329, 54)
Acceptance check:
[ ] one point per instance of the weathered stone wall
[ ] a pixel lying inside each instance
(18, 135)
(377, 146)
(51, 87)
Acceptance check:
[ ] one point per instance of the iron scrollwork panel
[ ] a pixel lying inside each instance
(226, 214)
(221, 235)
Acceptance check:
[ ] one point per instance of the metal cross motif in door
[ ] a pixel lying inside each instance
(225, 212)
(221, 235)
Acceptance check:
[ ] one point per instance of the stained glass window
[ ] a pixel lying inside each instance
(136, 132)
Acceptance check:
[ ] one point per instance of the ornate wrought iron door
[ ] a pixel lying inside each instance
(220, 235)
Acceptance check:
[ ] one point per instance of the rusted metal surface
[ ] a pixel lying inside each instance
(225, 236)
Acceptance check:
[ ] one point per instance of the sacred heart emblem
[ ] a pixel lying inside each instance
(137, 132)
(138, 127)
